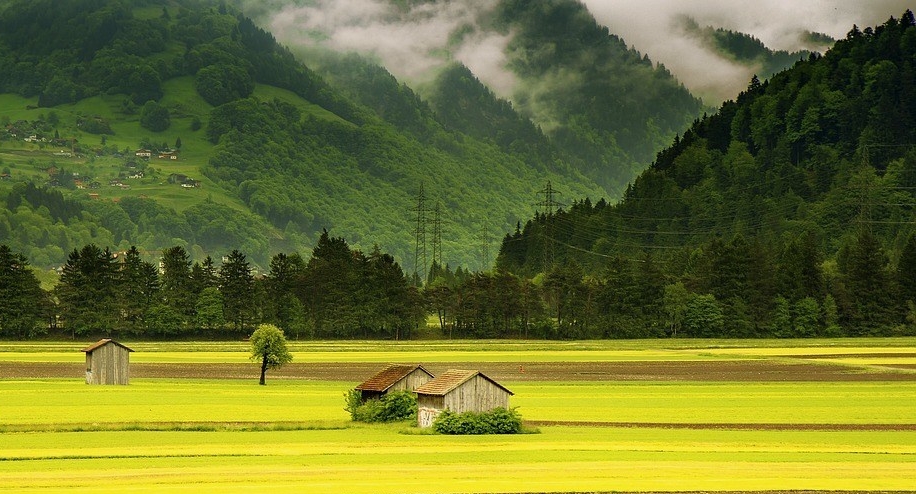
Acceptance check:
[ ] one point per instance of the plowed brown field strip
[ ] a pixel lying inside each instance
(661, 371)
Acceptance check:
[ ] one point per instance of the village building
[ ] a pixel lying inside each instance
(395, 377)
(143, 153)
(107, 362)
(459, 391)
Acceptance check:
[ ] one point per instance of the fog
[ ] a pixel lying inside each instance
(414, 43)
(653, 27)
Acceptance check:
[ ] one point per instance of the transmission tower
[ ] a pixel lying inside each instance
(436, 242)
(550, 206)
(419, 256)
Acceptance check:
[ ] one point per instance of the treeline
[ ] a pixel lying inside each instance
(338, 293)
(789, 212)
(742, 287)
(735, 289)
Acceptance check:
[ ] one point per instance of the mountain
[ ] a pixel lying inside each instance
(750, 51)
(246, 147)
(604, 108)
(789, 212)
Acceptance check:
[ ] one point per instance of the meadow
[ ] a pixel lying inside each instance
(856, 430)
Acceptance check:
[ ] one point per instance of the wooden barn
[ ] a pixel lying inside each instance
(395, 377)
(459, 391)
(107, 362)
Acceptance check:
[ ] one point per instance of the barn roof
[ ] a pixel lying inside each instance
(388, 376)
(451, 379)
(104, 342)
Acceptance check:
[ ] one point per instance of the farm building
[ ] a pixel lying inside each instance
(459, 391)
(395, 377)
(107, 362)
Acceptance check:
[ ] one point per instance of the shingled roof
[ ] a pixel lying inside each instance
(104, 342)
(388, 376)
(451, 379)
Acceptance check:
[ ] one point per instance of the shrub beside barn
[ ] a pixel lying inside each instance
(459, 391)
(107, 362)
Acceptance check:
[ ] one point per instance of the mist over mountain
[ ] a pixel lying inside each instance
(607, 107)
(652, 26)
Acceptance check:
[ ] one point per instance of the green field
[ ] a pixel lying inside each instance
(173, 434)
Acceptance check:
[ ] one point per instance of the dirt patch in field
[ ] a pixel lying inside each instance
(661, 371)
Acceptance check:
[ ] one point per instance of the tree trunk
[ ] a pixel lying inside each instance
(263, 371)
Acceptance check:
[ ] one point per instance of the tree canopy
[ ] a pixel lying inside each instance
(268, 345)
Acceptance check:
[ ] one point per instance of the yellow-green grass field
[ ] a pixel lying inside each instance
(593, 434)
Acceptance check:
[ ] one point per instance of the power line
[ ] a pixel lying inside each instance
(419, 256)
(550, 205)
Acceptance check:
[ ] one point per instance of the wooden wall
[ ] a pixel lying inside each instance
(413, 381)
(108, 364)
(475, 395)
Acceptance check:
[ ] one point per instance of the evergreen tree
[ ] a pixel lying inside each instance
(87, 292)
(209, 309)
(236, 284)
(329, 287)
(177, 291)
(204, 275)
(906, 270)
(285, 273)
(139, 285)
(864, 266)
(21, 298)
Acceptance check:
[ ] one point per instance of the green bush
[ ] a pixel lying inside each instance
(394, 406)
(496, 421)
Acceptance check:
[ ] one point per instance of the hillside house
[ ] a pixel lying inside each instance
(107, 362)
(459, 391)
(395, 377)
(143, 153)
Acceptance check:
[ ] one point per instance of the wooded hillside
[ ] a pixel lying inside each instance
(789, 212)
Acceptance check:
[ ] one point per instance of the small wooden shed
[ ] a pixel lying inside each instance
(395, 377)
(459, 391)
(107, 362)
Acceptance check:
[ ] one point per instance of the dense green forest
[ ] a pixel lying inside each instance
(789, 212)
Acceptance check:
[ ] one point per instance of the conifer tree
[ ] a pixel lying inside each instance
(236, 284)
(21, 296)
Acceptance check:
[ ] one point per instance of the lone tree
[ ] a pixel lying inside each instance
(269, 346)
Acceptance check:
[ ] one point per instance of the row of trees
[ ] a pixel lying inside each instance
(338, 293)
(738, 288)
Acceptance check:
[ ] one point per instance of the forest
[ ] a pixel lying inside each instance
(789, 212)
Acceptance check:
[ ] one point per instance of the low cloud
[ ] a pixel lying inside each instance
(411, 43)
(651, 26)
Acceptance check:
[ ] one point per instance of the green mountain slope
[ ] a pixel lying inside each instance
(603, 104)
(595, 104)
(748, 50)
(792, 209)
(270, 154)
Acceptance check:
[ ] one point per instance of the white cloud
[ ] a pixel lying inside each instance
(411, 44)
(649, 26)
